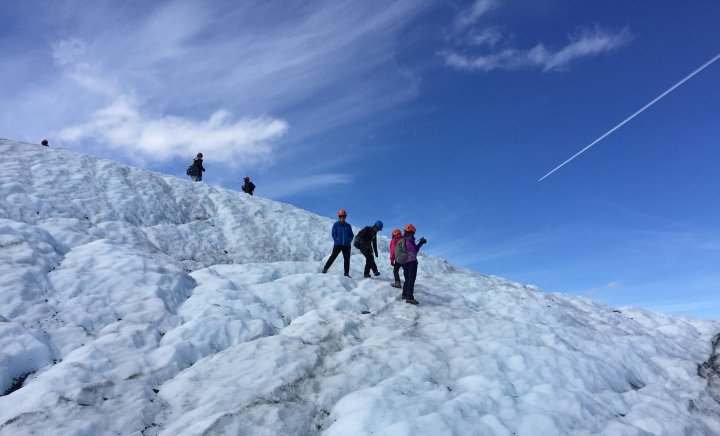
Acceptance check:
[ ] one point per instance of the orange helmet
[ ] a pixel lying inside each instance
(342, 212)
(396, 232)
(410, 228)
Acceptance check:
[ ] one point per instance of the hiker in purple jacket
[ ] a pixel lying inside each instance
(410, 266)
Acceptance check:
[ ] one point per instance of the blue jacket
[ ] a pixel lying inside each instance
(342, 233)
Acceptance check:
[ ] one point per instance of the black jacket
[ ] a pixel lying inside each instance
(366, 239)
(248, 187)
(199, 168)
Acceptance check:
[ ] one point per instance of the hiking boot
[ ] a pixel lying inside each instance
(347, 275)
(367, 276)
(396, 285)
(411, 301)
(324, 271)
(377, 273)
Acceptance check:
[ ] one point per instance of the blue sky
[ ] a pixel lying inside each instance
(440, 113)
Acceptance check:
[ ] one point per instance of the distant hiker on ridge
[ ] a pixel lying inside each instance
(396, 237)
(406, 252)
(196, 169)
(342, 235)
(249, 186)
(45, 143)
(366, 242)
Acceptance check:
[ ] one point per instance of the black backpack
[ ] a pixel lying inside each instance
(363, 239)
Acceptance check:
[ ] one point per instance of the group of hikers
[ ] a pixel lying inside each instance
(196, 169)
(403, 252)
(403, 248)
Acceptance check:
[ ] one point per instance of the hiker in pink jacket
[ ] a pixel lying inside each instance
(396, 237)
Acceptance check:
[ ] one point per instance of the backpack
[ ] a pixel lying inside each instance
(401, 253)
(363, 239)
(192, 170)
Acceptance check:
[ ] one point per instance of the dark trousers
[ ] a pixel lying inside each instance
(346, 257)
(369, 261)
(396, 271)
(410, 274)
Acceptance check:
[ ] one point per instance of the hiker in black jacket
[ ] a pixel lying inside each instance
(249, 186)
(196, 169)
(366, 242)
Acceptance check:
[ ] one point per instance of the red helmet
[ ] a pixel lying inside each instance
(342, 212)
(396, 232)
(246, 178)
(199, 155)
(410, 228)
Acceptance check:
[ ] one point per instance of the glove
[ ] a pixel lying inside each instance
(423, 241)
(392, 263)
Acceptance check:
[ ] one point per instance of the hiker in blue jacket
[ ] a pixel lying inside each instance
(342, 235)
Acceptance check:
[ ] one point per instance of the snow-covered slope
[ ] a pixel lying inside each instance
(137, 303)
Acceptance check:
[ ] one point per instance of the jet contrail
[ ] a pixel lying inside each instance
(635, 114)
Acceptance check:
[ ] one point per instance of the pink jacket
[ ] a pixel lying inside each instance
(392, 247)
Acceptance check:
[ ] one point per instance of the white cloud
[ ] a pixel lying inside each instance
(306, 184)
(259, 58)
(470, 15)
(122, 126)
(479, 46)
(67, 51)
(487, 37)
(589, 42)
(319, 65)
